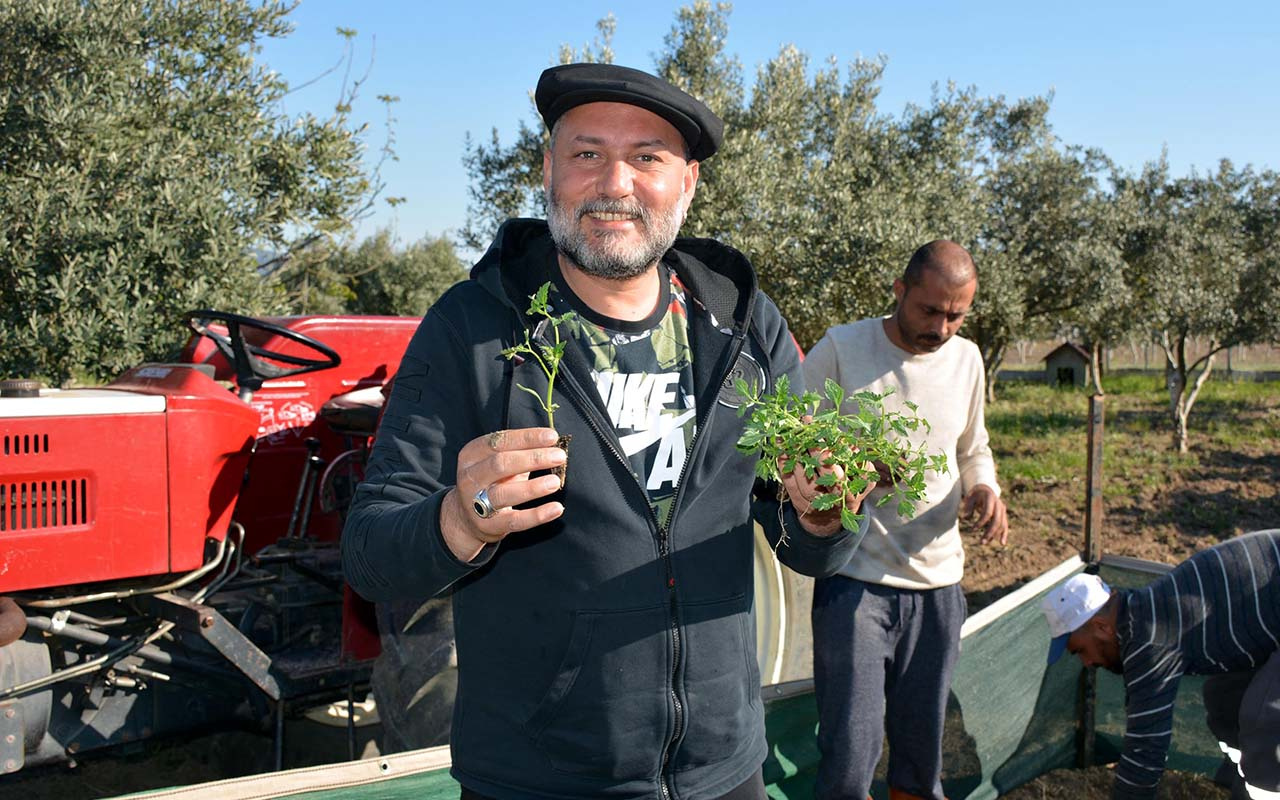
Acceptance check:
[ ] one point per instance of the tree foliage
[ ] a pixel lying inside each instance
(1201, 254)
(1049, 251)
(144, 160)
(384, 278)
(826, 194)
(829, 196)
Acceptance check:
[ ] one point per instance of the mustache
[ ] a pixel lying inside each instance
(605, 206)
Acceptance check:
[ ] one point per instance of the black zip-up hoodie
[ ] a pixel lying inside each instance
(608, 653)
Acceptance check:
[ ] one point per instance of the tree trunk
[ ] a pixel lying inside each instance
(1181, 397)
(1095, 368)
(991, 365)
(1175, 380)
(1180, 428)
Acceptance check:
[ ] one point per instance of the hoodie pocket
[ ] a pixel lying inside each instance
(721, 682)
(605, 713)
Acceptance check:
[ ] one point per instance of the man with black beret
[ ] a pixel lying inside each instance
(604, 625)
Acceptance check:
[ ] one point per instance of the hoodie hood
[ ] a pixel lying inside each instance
(522, 257)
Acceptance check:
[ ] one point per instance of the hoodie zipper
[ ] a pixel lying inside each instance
(662, 528)
(664, 545)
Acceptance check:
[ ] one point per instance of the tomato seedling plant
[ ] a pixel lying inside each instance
(547, 355)
(780, 430)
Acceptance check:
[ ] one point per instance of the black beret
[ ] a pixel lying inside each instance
(565, 87)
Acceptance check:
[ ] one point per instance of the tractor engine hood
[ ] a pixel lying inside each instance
(119, 482)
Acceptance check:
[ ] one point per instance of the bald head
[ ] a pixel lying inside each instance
(944, 259)
(934, 295)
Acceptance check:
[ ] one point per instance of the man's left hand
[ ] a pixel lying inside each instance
(802, 490)
(982, 506)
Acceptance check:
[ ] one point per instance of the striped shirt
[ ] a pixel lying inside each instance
(1218, 611)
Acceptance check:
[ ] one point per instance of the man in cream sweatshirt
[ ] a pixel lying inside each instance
(886, 629)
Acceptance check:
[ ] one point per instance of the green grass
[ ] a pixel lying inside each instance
(1037, 432)
(1136, 405)
(1224, 484)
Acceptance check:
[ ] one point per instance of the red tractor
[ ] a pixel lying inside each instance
(168, 542)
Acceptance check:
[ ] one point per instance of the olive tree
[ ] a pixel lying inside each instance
(1201, 255)
(827, 195)
(802, 183)
(385, 277)
(1050, 260)
(145, 164)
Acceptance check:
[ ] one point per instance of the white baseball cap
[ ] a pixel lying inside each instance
(1071, 604)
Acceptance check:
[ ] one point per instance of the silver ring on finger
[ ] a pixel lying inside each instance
(482, 505)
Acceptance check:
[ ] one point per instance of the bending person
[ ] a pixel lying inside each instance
(1218, 614)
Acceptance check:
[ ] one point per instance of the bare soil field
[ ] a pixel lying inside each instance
(1158, 504)
(1074, 784)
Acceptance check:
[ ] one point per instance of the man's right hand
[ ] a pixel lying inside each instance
(500, 463)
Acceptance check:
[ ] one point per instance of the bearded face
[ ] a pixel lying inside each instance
(617, 188)
(610, 253)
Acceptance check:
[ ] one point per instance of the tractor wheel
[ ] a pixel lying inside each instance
(415, 679)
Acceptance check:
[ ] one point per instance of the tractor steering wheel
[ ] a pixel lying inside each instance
(251, 362)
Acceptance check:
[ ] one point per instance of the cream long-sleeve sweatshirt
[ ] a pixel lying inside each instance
(948, 386)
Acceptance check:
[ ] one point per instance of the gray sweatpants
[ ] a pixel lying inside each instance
(1243, 710)
(878, 649)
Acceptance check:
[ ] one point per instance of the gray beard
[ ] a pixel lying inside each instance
(599, 255)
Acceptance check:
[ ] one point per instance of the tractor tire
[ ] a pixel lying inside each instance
(415, 679)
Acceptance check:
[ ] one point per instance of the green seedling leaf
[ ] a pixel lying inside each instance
(825, 502)
(835, 393)
(547, 355)
(777, 433)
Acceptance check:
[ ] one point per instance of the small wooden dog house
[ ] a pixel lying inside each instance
(1067, 365)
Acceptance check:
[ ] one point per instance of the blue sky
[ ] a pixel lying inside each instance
(1200, 78)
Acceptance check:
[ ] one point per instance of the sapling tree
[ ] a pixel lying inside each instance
(791, 431)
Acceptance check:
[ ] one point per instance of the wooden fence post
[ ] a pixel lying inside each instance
(1086, 734)
(1093, 485)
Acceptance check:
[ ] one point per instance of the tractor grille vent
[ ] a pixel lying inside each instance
(35, 505)
(25, 444)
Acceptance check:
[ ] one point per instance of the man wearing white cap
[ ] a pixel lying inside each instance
(1218, 614)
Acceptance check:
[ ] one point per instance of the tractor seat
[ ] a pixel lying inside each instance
(354, 413)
